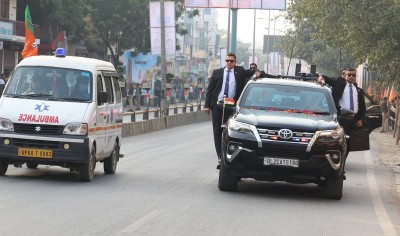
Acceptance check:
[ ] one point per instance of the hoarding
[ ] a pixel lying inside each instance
(155, 28)
(137, 68)
(238, 4)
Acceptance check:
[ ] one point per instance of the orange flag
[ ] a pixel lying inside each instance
(392, 95)
(382, 92)
(387, 91)
(369, 91)
(30, 48)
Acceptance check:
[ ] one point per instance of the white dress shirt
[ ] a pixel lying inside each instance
(345, 100)
(232, 84)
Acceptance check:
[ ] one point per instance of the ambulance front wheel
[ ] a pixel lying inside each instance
(3, 167)
(110, 163)
(86, 171)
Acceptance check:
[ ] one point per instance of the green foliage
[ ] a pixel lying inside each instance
(59, 16)
(115, 25)
(343, 33)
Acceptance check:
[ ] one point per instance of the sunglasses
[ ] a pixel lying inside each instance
(252, 68)
(231, 61)
(354, 75)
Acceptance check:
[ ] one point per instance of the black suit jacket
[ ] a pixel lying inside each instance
(338, 85)
(215, 84)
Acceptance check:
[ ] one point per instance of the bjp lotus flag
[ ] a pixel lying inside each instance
(392, 95)
(30, 48)
(382, 93)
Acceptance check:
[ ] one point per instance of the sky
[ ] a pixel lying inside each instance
(245, 20)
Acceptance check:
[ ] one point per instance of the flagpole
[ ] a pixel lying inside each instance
(223, 113)
(65, 42)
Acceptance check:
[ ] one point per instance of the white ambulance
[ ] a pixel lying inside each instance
(63, 111)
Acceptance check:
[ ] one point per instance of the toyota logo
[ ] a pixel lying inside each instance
(285, 133)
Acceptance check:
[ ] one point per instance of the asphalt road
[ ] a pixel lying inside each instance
(167, 185)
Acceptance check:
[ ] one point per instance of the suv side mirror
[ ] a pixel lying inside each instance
(102, 97)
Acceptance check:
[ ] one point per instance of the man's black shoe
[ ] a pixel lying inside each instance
(218, 166)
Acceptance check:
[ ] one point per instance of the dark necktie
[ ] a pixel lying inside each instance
(351, 98)
(226, 91)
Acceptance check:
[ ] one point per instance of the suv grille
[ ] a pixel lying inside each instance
(283, 153)
(285, 135)
(38, 129)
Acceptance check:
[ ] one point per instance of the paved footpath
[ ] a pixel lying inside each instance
(389, 154)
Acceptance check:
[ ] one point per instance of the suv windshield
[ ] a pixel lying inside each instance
(50, 83)
(282, 98)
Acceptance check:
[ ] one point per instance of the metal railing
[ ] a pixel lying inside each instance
(153, 113)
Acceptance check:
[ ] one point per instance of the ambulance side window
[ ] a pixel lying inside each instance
(99, 83)
(117, 90)
(109, 89)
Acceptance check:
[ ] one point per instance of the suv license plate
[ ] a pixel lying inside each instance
(269, 161)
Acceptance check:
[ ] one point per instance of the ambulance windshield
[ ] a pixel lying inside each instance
(50, 83)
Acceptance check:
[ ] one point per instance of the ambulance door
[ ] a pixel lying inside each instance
(101, 118)
(110, 121)
(115, 123)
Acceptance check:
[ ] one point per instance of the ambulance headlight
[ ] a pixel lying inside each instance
(76, 129)
(6, 125)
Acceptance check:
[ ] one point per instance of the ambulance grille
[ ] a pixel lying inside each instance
(27, 143)
(38, 129)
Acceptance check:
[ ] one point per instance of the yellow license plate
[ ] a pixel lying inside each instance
(32, 152)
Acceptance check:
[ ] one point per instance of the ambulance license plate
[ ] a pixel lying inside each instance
(33, 152)
(269, 161)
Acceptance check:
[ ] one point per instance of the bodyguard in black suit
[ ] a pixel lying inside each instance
(229, 81)
(347, 94)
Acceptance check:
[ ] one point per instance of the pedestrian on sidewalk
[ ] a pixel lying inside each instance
(131, 90)
(385, 114)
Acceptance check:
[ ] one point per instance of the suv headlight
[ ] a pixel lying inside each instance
(239, 127)
(76, 129)
(6, 125)
(332, 134)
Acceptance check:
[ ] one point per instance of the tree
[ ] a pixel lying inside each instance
(359, 29)
(121, 25)
(60, 16)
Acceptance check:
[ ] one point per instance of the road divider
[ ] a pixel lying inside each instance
(150, 120)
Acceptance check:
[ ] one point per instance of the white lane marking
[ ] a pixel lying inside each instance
(383, 218)
(209, 179)
(140, 222)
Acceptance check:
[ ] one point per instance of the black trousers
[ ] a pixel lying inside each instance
(216, 115)
(348, 125)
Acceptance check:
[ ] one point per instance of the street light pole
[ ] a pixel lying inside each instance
(269, 23)
(254, 34)
(163, 55)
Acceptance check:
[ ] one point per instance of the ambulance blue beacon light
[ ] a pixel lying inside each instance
(60, 52)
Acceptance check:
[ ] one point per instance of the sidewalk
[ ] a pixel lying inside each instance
(389, 154)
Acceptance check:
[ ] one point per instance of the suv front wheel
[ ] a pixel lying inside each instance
(333, 187)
